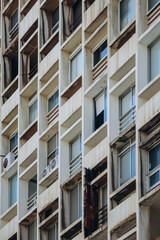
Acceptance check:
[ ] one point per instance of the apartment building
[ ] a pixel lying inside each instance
(80, 120)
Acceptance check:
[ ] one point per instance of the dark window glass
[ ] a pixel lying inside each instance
(13, 142)
(55, 19)
(53, 101)
(154, 179)
(100, 53)
(152, 3)
(154, 157)
(14, 19)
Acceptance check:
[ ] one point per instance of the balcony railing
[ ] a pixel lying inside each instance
(55, 27)
(32, 201)
(102, 215)
(53, 114)
(75, 164)
(14, 32)
(100, 67)
(128, 118)
(33, 71)
(75, 24)
(154, 14)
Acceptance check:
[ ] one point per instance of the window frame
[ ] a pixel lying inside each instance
(69, 195)
(103, 92)
(132, 142)
(48, 112)
(72, 55)
(55, 150)
(10, 190)
(11, 137)
(79, 136)
(56, 229)
(150, 173)
(119, 19)
(150, 10)
(11, 29)
(30, 103)
(149, 61)
(95, 49)
(57, 23)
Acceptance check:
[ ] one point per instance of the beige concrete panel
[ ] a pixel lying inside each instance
(9, 105)
(9, 229)
(122, 211)
(96, 155)
(148, 110)
(29, 19)
(48, 196)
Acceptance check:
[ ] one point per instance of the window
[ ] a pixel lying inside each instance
(13, 142)
(75, 203)
(152, 3)
(154, 166)
(32, 231)
(100, 105)
(100, 53)
(103, 206)
(53, 101)
(32, 111)
(127, 161)
(13, 190)
(55, 19)
(32, 192)
(52, 150)
(76, 17)
(127, 12)
(155, 59)
(76, 66)
(127, 108)
(53, 232)
(75, 152)
(14, 19)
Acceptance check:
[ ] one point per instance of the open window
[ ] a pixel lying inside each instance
(76, 66)
(13, 190)
(75, 155)
(154, 59)
(127, 161)
(100, 107)
(127, 12)
(127, 109)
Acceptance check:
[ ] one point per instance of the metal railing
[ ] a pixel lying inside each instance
(102, 215)
(75, 24)
(55, 27)
(53, 114)
(32, 201)
(14, 31)
(128, 118)
(75, 164)
(33, 71)
(154, 14)
(99, 68)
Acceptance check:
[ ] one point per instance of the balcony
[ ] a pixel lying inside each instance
(75, 164)
(32, 201)
(127, 119)
(100, 68)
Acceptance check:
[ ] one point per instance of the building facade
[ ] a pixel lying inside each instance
(80, 120)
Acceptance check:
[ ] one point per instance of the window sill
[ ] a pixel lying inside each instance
(50, 178)
(29, 172)
(29, 131)
(149, 196)
(30, 87)
(10, 170)
(72, 229)
(10, 213)
(47, 222)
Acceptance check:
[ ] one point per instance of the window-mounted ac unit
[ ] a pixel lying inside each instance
(45, 171)
(8, 160)
(53, 163)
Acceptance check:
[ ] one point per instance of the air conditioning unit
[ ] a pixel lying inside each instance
(53, 163)
(8, 160)
(45, 171)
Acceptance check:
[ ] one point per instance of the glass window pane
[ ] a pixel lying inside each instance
(73, 69)
(79, 63)
(133, 159)
(103, 49)
(99, 104)
(123, 13)
(131, 10)
(154, 157)
(51, 233)
(55, 19)
(104, 196)
(33, 112)
(155, 59)
(152, 3)
(14, 19)
(154, 179)
(32, 186)
(52, 144)
(13, 190)
(80, 199)
(74, 204)
(133, 96)
(75, 148)
(96, 56)
(126, 103)
(53, 101)
(13, 142)
(125, 167)
(32, 231)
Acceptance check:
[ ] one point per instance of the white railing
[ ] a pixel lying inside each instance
(75, 164)
(128, 118)
(32, 201)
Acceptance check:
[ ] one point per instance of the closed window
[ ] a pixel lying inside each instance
(53, 101)
(75, 154)
(154, 165)
(155, 59)
(55, 19)
(103, 209)
(127, 12)
(33, 111)
(52, 148)
(32, 231)
(53, 232)
(127, 161)
(13, 142)
(100, 105)
(127, 108)
(152, 3)
(100, 53)
(75, 202)
(14, 19)
(76, 66)
(13, 190)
